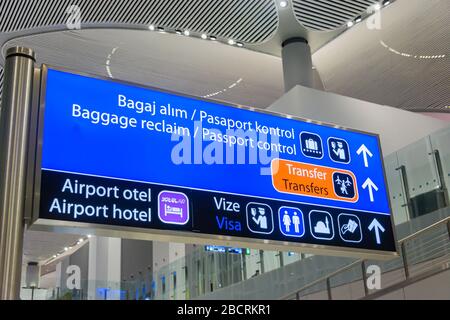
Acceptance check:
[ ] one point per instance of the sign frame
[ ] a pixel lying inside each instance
(61, 226)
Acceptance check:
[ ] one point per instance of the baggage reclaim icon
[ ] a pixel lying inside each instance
(311, 145)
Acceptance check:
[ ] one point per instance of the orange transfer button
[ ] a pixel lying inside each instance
(314, 181)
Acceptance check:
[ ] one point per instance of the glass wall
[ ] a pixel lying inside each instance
(418, 177)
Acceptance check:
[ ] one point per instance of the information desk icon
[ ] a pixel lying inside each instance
(321, 225)
(259, 218)
(291, 221)
(311, 145)
(349, 227)
(173, 207)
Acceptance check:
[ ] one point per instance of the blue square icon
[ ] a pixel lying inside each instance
(311, 145)
(343, 184)
(349, 227)
(321, 225)
(259, 218)
(291, 221)
(338, 150)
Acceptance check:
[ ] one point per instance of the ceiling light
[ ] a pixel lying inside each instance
(231, 42)
(89, 235)
(350, 24)
(377, 6)
(358, 19)
(239, 44)
(160, 29)
(151, 27)
(213, 38)
(386, 3)
(283, 4)
(178, 31)
(54, 256)
(186, 32)
(204, 36)
(65, 249)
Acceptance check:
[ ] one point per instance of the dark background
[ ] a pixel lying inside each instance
(203, 212)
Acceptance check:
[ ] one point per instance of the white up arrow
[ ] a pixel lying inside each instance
(369, 184)
(366, 152)
(378, 227)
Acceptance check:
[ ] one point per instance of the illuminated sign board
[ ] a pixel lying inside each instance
(223, 249)
(122, 157)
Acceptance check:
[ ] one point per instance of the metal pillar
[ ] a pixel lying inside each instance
(364, 278)
(405, 260)
(297, 63)
(329, 295)
(14, 136)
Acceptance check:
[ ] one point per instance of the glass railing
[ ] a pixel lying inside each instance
(417, 175)
(422, 254)
(316, 276)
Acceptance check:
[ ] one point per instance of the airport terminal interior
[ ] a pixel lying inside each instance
(117, 119)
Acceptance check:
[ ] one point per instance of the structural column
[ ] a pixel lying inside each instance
(14, 138)
(297, 63)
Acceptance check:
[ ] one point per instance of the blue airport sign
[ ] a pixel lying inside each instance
(120, 154)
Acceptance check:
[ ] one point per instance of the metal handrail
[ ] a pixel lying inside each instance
(400, 243)
(324, 278)
(431, 226)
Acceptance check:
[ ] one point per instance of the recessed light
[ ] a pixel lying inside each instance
(386, 3)
(377, 6)
(283, 4)
(65, 249)
(89, 235)
(178, 31)
(358, 19)
(213, 38)
(239, 44)
(186, 32)
(160, 29)
(151, 27)
(231, 42)
(204, 36)
(350, 24)
(54, 256)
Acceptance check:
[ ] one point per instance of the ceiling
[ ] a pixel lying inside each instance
(404, 64)
(181, 64)
(40, 246)
(391, 65)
